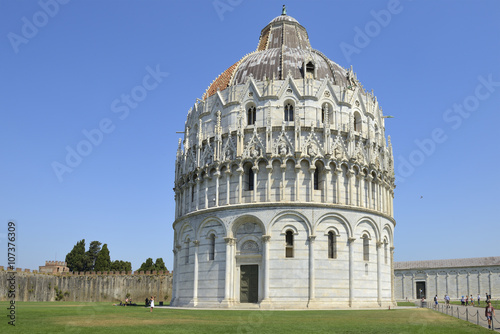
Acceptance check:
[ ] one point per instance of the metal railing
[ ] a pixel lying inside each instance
(468, 313)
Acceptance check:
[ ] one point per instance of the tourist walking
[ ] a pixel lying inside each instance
(467, 300)
(489, 313)
(447, 301)
(152, 303)
(435, 301)
(478, 299)
(471, 300)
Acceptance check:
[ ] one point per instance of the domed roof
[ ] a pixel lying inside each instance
(283, 49)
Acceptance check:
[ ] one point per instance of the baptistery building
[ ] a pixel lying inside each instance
(284, 185)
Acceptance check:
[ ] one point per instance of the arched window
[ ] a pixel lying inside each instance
(251, 179)
(366, 248)
(289, 243)
(385, 251)
(251, 115)
(288, 112)
(332, 245)
(211, 252)
(325, 113)
(357, 122)
(187, 252)
(310, 70)
(316, 178)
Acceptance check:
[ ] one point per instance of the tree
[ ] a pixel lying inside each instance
(160, 265)
(148, 265)
(91, 255)
(76, 258)
(103, 261)
(119, 265)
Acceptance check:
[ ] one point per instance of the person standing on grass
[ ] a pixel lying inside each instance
(489, 312)
(467, 300)
(435, 301)
(471, 300)
(152, 303)
(478, 299)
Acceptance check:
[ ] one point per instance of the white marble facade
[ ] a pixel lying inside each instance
(284, 185)
(456, 278)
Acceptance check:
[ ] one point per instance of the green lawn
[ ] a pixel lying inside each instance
(70, 317)
(494, 303)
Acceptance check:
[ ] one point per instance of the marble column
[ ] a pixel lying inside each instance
(312, 289)
(361, 187)
(266, 242)
(255, 182)
(174, 279)
(191, 194)
(437, 281)
(392, 274)
(227, 285)
(369, 179)
(205, 181)
(351, 271)
(197, 204)
(312, 169)
(468, 286)
(283, 183)
(327, 181)
(195, 278)
(413, 287)
(240, 172)
(269, 169)
(337, 185)
(178, 247)
(379, 272)
(403, 290)
(297, 182)
(228, 185)
(217, 176)
(350, 179)
(489, 282)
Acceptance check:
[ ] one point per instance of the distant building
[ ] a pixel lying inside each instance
(456, 278)
(284, 185)
(54, 267)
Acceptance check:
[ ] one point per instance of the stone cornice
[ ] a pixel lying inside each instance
(284, 206)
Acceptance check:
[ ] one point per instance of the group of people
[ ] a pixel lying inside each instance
(489, 311)
(150, 303)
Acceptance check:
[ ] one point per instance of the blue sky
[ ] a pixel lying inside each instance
(67, 73)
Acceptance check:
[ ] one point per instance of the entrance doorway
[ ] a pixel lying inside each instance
(421, 290)
(249, 284)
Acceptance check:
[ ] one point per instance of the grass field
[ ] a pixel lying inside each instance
(494, 303)
(69, 317)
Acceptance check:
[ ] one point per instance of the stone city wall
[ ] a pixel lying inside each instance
(86, 286)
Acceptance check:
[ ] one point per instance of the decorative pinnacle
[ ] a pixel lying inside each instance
(283, 11)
